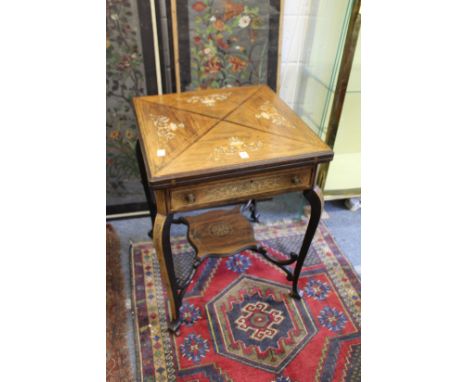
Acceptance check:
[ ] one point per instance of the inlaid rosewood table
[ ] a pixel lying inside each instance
(218, 147)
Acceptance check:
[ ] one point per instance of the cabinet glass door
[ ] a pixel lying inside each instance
(313, 46)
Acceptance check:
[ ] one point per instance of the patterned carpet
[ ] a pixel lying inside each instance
(240, 323)
(118, 367)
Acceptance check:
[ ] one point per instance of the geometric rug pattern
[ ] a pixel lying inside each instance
(240, 324)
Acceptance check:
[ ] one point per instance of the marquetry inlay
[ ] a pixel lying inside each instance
(166, 128)
(244, 187)
(270, 113)
(236, 146)
(219, 130)
(220, 229)
(220, 232)
(209, 100)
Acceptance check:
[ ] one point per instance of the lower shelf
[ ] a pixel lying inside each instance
(224, 233)
(220, 233)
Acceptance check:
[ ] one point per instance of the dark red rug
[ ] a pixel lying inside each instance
(240, 323)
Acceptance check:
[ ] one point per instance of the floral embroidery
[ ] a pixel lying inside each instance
(270, 113)
(232, 9)
(209, 100)
(228, 43)
(235, 146)
(213, 65)
(125, 79)
(194, 347)
(115, 135)
(165, 127)
(237, 64)
(332, 319)
(199, 6)
(244, 21)
(218, 25)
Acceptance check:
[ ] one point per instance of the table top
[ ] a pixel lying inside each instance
(222, 131)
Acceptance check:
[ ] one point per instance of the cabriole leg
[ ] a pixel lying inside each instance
(162, 244)
(144, 182)
(315, 198)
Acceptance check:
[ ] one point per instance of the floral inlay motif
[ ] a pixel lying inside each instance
(271, 113)
(235, 146)
(245, 187)
(165, 127)
(220, 229)
(209, 100)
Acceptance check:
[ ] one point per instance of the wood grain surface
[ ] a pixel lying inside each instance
(216, 103)
(169, 132)
(221, 130)
(158, 245)
(220, 233)
(213, 193)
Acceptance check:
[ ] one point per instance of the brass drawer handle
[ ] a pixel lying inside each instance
(190, 198)
(295, 180)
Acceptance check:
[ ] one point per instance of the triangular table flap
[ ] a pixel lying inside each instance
(228, 144)
(267, 112)
(216, 103)
(167, 132)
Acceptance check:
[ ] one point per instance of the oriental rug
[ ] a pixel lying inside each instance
(118, 368)
(240, 323)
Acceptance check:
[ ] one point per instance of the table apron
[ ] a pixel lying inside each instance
(238, 189)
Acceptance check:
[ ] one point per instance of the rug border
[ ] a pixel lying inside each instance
(136, 339)
(138, 355)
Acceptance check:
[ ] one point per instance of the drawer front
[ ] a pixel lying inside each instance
(216, 192)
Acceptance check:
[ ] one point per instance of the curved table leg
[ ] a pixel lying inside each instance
(143, 176)
(162, 244)
(315, 198)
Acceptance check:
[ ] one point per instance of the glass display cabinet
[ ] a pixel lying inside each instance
(319, 63)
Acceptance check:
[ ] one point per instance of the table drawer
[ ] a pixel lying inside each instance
(240, 188)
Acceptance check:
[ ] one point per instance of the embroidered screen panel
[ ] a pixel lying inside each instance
(224, 43)
(125, 78)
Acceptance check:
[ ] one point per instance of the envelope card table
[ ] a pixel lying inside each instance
(218, 147)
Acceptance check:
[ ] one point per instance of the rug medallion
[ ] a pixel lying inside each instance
(240, 324)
